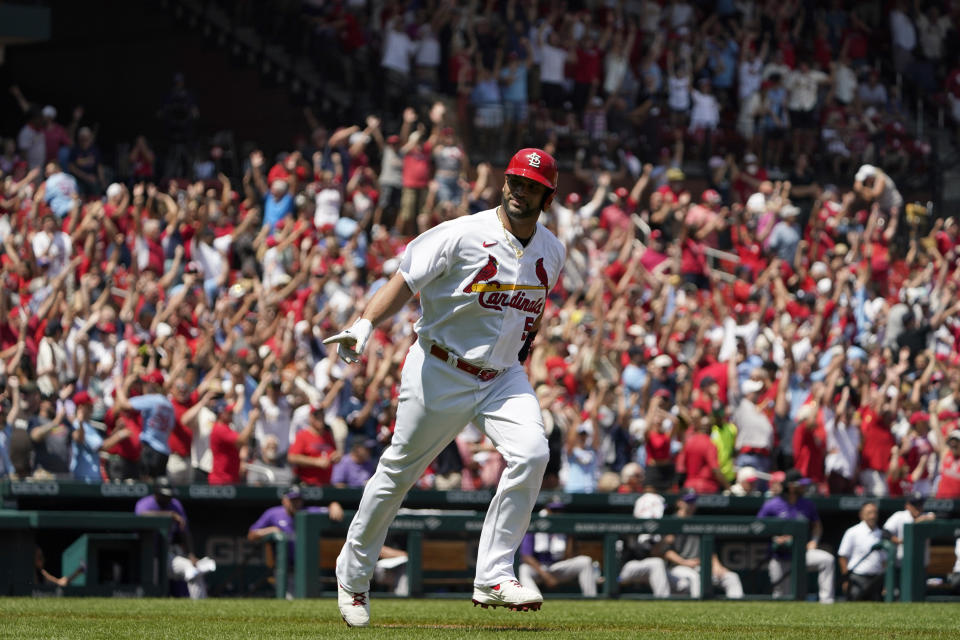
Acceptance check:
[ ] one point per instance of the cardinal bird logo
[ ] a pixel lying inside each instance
(542, 274)
(488, 271)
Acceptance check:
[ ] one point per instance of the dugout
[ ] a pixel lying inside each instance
(428, 535)
(220, 516)
(108, 554)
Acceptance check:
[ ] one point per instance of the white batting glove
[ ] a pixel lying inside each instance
(351, 343)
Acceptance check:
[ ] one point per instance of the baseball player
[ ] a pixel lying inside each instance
(483, 282)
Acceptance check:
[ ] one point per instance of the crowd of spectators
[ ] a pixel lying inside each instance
(700, 338)
(622, 79)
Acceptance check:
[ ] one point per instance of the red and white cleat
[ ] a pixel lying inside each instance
(354, 607)
(510, 594)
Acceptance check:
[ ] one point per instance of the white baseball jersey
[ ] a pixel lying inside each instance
(857, 547)
(477, 297)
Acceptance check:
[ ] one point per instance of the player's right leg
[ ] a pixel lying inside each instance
(435, 404)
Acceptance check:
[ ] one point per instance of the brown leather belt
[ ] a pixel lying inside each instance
(463, 365)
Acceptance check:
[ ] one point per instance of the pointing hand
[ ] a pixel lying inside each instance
(350, 343)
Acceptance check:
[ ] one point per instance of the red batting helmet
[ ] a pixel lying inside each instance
(537, 165)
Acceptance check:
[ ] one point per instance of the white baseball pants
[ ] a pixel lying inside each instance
(818, 559)
(653, 571)
(436, 401)
(687, 579)
(182, 569)
(579, 568)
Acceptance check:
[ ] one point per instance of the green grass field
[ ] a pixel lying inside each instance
(77, 619)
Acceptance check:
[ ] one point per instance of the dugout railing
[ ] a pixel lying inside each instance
(312, 529)
(915, 537)
(101, 543)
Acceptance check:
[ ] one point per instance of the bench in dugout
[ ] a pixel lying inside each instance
(447, 565)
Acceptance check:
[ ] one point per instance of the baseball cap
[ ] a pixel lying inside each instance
(856, 353)
(690, 497)
(953, 435)
(710, 196)
(916, 499)
(662, 360)
(573, 198)
(81, 398)
(394, 139)
(793, 476)
(757, 203)
(919, 416)
(164, 330)
(621, 192)
(293, 492)
(752, 386)
(220, 405)
(162, 488)
(154, 377)
(49, 111)
(675, 174)
(865, 172)
(789, 211)
(746, 474)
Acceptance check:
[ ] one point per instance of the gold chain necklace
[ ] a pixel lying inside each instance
(506, 236)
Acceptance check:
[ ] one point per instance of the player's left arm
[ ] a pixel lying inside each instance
(424, 259)
(388, 300)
